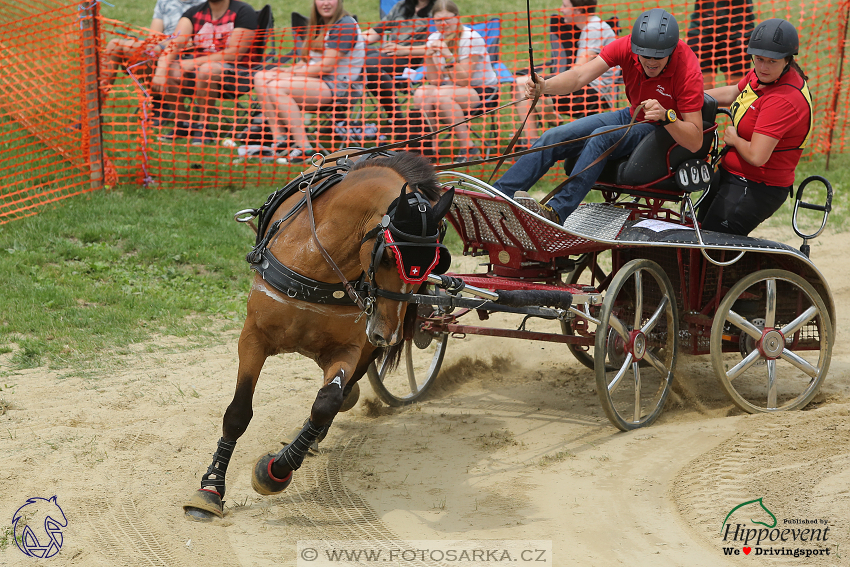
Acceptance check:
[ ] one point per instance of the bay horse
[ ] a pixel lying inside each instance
(380, 221)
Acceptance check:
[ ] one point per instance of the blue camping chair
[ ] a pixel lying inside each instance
(386, 6)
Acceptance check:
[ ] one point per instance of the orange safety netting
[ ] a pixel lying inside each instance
(210, 125)
(50, 145)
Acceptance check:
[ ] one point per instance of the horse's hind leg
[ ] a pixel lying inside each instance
(206, 503)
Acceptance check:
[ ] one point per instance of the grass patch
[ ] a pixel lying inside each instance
(558, 457)
(118, 268)
(497, 439)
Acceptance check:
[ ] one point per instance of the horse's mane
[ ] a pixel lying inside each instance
(413, 168)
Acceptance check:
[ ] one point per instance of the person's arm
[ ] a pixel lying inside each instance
(157, 25)
(434, 61)
(371, 36)
(756, 152)
(687, 130)
(724, 95)
(183, 32)
(238, 44)
(570, 80)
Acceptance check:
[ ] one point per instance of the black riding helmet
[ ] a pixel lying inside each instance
(775, 39)
(656, 34)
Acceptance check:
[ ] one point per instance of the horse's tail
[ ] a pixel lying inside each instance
(392, 355)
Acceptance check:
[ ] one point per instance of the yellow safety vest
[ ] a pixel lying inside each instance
(748, 96)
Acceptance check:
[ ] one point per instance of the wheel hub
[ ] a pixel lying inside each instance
(637, 344)
(771, 344)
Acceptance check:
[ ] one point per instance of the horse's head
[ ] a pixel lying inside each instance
(407, 248)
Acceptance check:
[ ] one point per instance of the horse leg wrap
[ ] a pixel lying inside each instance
(292, 456)
(215, 472)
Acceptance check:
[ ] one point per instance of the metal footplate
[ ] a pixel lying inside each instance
(597, 220)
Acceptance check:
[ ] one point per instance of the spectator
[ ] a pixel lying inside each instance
(221, 34)
(331, 59)
(404, 31)
(458, 73)
(594, 34)
(166, 14)
(772, 121)
(718, 35)
(655, 63)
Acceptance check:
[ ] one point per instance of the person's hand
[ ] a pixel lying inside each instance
(392, 48)
(187, 65)
(652, 110)
(730, 138)
(535, 88)
(158, 82)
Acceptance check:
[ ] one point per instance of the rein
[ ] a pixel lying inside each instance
(365, 306)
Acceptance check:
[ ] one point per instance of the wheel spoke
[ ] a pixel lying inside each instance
(620, 373)
(771, 383)
(770, 308)
(638, 299)
(736, 370)
(655, 316)
(636, 370)
(801, 320)
(657, 364)
(799, 362)
(411, 372)
(618, 326)
(744, 325)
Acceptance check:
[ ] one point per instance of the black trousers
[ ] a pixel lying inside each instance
(736, 205)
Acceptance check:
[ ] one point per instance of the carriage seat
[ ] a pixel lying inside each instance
(648, 162)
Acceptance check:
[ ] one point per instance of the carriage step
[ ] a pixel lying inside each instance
(599, 220)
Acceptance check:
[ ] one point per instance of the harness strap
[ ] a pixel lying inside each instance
(297, 286)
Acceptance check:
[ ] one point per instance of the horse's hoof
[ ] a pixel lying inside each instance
(204, 506)
(351, 399)
(262, 479)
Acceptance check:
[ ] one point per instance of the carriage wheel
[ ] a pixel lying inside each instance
(638, 324)
(420, 363)
(771, 342)
(598, 278)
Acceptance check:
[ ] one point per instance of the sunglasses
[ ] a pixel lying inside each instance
(652, 58)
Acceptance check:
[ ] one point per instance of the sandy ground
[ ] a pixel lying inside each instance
(513, 444)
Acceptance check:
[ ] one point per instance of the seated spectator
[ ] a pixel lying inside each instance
(166, 14)
(221, 34)
(593, 35)
(772, 120)
(404, 31)
(458, 74)
(331, 59)
(718, 34)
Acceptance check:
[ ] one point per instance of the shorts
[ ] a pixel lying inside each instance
(579, 103)
(718, 34)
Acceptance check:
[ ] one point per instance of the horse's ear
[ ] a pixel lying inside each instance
(445, 202)
(402, 210)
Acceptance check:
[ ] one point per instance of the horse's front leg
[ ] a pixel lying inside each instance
(207, 502)
(273, 472)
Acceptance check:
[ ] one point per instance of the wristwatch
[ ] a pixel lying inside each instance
(670, 118)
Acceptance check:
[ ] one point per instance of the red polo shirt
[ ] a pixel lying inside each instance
(679, 86)
(781, 112)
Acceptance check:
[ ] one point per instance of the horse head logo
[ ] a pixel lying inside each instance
(753, 510)
(38, 527)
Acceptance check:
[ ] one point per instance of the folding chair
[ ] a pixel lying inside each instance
(385, 7)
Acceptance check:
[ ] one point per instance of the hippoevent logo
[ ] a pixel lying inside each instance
(755, 530)
(37, 527)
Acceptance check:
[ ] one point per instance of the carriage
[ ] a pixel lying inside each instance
(645, 284)
(630, 281)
